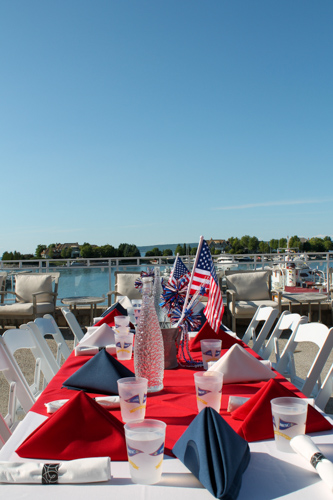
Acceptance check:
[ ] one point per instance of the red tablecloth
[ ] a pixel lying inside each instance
(176, 404)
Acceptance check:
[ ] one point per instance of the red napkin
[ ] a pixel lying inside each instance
(257, 416)
(109, 318)
(207, 332)
(79, 429)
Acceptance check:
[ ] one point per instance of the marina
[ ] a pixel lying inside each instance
(95, 277)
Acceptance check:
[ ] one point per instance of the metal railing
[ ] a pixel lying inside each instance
(248, 261)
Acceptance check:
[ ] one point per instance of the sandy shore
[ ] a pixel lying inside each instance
(26, 361)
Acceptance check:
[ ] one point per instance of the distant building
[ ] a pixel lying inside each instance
(55, 252)
(219, 245)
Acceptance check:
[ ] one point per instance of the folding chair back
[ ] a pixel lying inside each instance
(73, 325)
(265, 314)
(25, 338)
(18, 386)
(287, 322)
(48, 326)
(317, 334)
(325, 391)
(5, 432)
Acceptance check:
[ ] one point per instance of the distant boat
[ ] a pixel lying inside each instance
(295, 272)
(225, 259)
(225, 262)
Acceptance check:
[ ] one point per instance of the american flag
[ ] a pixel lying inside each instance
(179, 270)
(204, 274)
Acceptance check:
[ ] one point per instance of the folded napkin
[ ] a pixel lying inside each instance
(227, 336)
(238, 366)
(79, 429)
(108, 402)
(109, 317)
(214, 453)
(91, 350)
(116, 306)
(304, 446)
(126, 303)
(85, 470)
(101, 336)
(99, 375)
(257, 415)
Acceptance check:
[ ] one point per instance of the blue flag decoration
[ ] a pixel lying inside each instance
(132, 451)
(159, 451)
(285, 425)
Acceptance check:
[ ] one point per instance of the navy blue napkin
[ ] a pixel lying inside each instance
(99, 375)
(114, 306)
(214, 453)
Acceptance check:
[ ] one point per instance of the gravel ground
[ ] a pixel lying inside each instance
(26, 361)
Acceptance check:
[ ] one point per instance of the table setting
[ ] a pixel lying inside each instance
(207, 421)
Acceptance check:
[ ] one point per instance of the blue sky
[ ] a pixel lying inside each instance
(154, 122)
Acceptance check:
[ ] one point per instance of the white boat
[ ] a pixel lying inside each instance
(295, 272)
(224, 262)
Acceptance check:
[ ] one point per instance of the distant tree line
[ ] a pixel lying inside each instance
(245, 244)
(86, 251)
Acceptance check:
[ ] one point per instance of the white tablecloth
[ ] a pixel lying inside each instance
(270, 475)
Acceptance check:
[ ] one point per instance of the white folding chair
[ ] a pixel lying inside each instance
(26, 338)
(265, 314)
(318, 334)
(287, 322)
(73, 325)
(19, 390)
(48, 326)
(5, 432)
(50, 363)
(325, 391)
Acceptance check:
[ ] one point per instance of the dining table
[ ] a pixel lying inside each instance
(305, 298)
(271, 474)
(84, 301)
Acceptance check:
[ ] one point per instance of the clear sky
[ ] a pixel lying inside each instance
(157, 121)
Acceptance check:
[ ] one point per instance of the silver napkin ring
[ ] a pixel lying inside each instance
(50, 473)
(316, 458)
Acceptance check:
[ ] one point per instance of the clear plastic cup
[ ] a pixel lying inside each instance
(208, 388)
(121, 321)
(124, 345)
(145, 450)
(133, 396)
(289, 420)
(122, 330)
(210, 350)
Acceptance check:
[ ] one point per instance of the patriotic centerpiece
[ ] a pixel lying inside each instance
(182, 293)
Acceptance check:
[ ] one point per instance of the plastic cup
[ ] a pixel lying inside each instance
(208, 388)
(133, 397)
(121, 321)
(124, 345)
(145, 450)
(210, 350)
(122, 330)
(289, 420)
